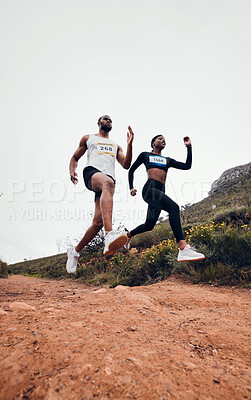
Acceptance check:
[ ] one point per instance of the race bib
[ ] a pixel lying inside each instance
(156, 160)
(104, 148)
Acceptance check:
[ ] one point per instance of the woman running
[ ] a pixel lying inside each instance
(154, 193)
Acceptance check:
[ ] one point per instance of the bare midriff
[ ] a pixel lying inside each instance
(157, 174)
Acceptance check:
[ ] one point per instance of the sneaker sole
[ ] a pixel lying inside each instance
(71, 272)
(192, 259)
(115, 245)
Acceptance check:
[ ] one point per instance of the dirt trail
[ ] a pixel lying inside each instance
(172, 340)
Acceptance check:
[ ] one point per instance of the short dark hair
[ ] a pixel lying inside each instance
(154, 138)
(102, 117)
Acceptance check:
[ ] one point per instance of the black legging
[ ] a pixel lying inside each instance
(154, 194)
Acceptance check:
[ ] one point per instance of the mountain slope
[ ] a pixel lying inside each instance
(233, 196)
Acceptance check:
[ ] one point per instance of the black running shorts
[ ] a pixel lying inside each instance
(87, 174)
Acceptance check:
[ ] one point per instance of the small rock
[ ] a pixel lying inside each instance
(18, 305)
(121, 288)
(108, 371)
(102, 290)
(216, 380)
(134, 361)
(124, 380)
(195, 342)
(189, 365)
(131, 328)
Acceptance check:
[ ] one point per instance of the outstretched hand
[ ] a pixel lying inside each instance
(133, 192)
(130, 135)
(187, 140)
(74, 178)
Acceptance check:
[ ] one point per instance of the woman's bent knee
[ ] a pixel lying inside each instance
(174, 208)
(150, 225)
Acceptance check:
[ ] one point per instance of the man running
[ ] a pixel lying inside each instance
(99, 176)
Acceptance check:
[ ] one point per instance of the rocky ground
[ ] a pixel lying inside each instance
(172, 340)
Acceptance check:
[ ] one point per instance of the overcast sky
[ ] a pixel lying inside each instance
(175, 67)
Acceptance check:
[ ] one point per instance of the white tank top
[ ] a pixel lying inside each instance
(101, 154)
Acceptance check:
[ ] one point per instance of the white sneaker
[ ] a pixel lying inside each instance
(189, 254)
(113, 242)
(72, 262)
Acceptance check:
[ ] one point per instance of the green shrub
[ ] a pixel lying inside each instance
(238, 216)
(162, 231)
(3, 269)
(233, 248)
(148, 266)
(145, 240)
(48, 267)
(201, 234)
(228, 256)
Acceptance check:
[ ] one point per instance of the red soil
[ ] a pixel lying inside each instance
(172, 340)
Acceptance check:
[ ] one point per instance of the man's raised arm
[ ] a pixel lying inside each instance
(125, 160)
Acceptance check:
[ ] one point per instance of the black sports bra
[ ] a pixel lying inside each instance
(152, 160)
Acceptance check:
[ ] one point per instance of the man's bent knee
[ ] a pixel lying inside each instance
(100, 182)
(98, 224)
(108, 184)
